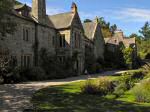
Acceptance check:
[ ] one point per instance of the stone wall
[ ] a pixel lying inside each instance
(19, 47)
(99, 44)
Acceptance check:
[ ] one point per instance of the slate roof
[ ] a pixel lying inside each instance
(19, 5)
(116, 40)
(89, 28)
(62, 20)
(58, 21)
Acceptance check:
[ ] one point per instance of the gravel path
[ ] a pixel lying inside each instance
(16, 97)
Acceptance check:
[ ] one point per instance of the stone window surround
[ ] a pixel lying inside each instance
(61, 58)
(26, 34)
(77, 39)
(62, 41)
(26, 60)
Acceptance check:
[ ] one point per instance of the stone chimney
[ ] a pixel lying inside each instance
(96, 20)
(12, 4)
(74, 8)
(118, 33)
(39, 10)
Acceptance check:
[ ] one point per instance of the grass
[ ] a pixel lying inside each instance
(68, 98)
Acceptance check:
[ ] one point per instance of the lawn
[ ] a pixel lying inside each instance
(68, 98)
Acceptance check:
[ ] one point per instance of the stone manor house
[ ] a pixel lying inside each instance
(62, 35)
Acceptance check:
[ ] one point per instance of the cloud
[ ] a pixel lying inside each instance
(133, 15)
(54, 10)
(123, 14)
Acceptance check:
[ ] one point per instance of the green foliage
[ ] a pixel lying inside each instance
(90, 60)
(87, 20)
(7, 25)
(127, 81)
(145, 30)
(90, 88)
(107, 29)
(143, 48)
(5, 69)
(113, 28)
(36, 74)
(128, 57)
(114, 59)
(120, 89)
(142, 91)
(138, 37)
(102, 87)
(56, 69)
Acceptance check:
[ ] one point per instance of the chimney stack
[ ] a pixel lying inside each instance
(74, 8)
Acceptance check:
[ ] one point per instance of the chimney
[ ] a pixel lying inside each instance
(118, 33)
(12, 2)
(74, 8)
(96, 20)
(39, 10)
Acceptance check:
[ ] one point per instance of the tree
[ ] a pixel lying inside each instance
(134, 35)
(107, 29)
(6, 23)
(87, 20)
(128, 52)
(145, 30)
(113, 28)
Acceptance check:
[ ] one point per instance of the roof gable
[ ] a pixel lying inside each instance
(89, 29)
(76, 21)
(62, 20)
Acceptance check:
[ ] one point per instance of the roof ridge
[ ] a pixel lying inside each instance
(59, 14)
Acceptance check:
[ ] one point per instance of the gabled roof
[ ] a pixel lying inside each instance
(117, 39)
(62, 20)
(89, 29)
(129, 41)
(19, 5)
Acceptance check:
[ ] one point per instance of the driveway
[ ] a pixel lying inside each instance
(16, 97)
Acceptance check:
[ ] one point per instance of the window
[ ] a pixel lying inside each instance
(24, 13)
(54, 42)
(62, 41)
(26, 61)
(61, 59)
(76, 40)
(13, 61)
(25, 34)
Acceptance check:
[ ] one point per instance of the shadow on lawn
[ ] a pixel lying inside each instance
(57, 100)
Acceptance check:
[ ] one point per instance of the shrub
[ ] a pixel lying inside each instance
(102, 87)
(142, 92)
(54, 68)
(105, 85)
(18, 75)
(90, 88)
(130, 78)
(127, 81)
(120, 89)
(147, 56)
(36, 74)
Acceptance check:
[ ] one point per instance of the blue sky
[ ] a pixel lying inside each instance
(129, 15)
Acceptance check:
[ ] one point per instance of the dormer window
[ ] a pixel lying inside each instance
(25, 13)
(22, 10)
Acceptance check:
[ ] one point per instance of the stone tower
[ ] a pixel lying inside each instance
(39, 10)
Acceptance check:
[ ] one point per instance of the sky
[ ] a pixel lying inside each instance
(129, 15)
